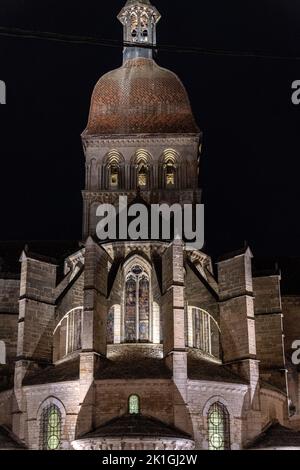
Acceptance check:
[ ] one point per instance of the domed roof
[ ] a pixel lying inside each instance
(140, 98)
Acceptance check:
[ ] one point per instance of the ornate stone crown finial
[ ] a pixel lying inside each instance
(139, 19)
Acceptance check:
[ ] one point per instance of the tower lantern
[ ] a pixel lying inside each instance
(139, 19)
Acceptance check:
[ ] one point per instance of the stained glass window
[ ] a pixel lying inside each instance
(51, 428)
(130, 310)
(218, 427)
(134, 405)
(137, 306)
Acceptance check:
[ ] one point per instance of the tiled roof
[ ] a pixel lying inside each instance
(200, 368)
(140, 98)
(277, 436)
(136, 426)
(66, 371)
(134, 368)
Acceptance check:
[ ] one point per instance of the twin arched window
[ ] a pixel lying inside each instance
(50, 428)
(218, 427)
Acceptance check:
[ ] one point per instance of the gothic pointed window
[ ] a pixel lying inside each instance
(170, 162)
(142, 161)
(114, 162)
(143, 176)
(134, 26)
(134, 405)
(51, 428)
(218, 427)
(137, 306)
(114, 176)
(170, 174)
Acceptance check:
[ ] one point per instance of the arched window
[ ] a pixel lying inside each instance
(142, 160)
(170, 161)
(218, 427)
(2, 353)
(134, 405)
(137, 306)
(144, 27)
(203, 332)
(68, 334)
(113, 169)
(51, 428)
(134, 26)
(114, 176)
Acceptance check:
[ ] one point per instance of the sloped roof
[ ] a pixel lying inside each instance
(136, 426)
(140, 98)
(45, 250)
(64, 372)
(8, 441)
(135, 367)
(200, 368)
(277, 436)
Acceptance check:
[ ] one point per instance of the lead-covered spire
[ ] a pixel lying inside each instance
(139, 19)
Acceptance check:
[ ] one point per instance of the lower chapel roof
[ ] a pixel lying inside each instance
(136, 426)
(276, 436)
(134, 367)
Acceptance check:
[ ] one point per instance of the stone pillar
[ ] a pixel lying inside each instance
(174, 327)
(237, 325)
(35, 327)
(94, 344)
(269, 330)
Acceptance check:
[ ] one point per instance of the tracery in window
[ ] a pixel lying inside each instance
(114, 176)
(67, 336)
(202, 332)
(170, 160)
(142, 160)
(137, 306)
(74, 329)
(113, 166)
(51, 428)
(134, 25)
(134, 405)
(218, 427)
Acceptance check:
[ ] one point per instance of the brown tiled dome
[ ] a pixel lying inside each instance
(140, 98)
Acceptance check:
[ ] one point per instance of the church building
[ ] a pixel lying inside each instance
(131, 344)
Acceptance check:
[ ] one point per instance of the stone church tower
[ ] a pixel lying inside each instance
(136, 344)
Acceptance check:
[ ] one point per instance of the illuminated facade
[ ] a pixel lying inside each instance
(134, 344)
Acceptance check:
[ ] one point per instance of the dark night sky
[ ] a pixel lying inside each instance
(250, 164)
